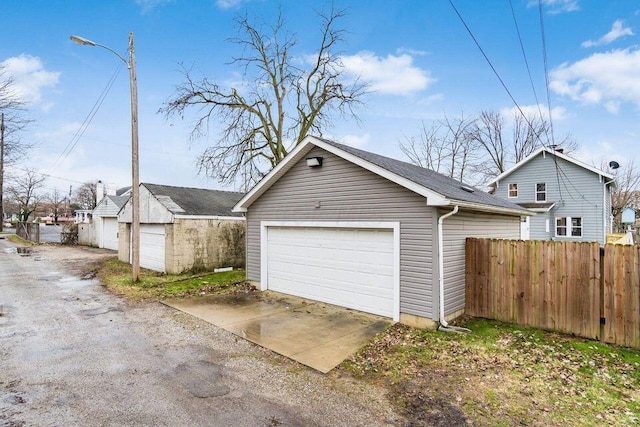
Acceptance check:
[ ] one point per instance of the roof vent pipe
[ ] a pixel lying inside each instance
(444, 326)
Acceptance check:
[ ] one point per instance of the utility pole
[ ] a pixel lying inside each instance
(1, 171)
(135, 179)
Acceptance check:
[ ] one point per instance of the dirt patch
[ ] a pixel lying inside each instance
(83, 261)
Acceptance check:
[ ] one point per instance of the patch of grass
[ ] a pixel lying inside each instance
(19, 240)
(503, 374)
(116, 275)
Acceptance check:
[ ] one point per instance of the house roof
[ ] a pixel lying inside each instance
(438, 189)
(195, 201)
(122, 191)
(119, 201)
(559, 155)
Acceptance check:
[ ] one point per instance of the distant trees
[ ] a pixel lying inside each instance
(24, 190)
(56, 201)
(282, 97)
(476, 149)
(85, 196)
(627, 190)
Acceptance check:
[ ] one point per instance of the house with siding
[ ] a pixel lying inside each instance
(571, 200)
(348, 227)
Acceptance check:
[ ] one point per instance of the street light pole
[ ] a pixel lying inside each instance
(135, 180)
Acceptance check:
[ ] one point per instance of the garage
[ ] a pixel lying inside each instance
(152, 244)
(109, 233)
(346, 266)
(341, 225)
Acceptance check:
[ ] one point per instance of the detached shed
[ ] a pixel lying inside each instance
(348, 227)
(105, 221)
(184, 229)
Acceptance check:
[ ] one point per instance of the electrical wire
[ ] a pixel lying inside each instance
(495, 71)
(88, 119)
(526, 62)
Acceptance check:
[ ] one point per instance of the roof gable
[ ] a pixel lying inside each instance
(439, 190)
(195, 201)
(546, 151)
(110, 205)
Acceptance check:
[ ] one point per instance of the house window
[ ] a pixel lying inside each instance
(541, 192)
(576, 227)
(513, 190)
(568, 227)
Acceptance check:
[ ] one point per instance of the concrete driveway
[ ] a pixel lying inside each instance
(315, 334)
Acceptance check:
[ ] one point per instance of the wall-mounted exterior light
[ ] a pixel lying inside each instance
(314, 162)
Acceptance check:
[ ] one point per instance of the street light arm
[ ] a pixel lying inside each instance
(86, 42)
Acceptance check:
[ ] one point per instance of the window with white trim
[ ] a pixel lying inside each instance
(513, 191)
(541, 192)
(568, 226)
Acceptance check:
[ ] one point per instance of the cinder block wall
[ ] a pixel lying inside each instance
(205, 244)
(123, 241)
(87, 235)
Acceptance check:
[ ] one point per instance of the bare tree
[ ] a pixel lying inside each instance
(626, 193)
(12, 120)
(56, 202)
(25, 191)
(476, 149)
(281, 99)
(85, 196)
(445, 147)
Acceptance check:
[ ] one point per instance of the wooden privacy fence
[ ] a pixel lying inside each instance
(570, 287)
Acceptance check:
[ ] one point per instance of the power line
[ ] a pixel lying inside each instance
(526, 62)
(88, 119)
(546, 69)
(526, 119)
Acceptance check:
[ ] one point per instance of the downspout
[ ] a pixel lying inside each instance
(605, 213)
(444, 326)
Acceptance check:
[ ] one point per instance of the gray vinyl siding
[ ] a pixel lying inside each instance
(347, 192)
(456, 229)
(538, 226)
(579, 194)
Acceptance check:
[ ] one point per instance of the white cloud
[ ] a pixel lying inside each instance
(555, 7)
(610, 78)
(618, 30)
(148, 5)
(228, 4)
(394, 75)
(29, 77)
(356, 141)
(557, 113)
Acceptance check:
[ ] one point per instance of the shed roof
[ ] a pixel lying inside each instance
(195, 201)
(439, 189)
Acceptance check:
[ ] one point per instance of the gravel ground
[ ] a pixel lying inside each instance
(74, 354)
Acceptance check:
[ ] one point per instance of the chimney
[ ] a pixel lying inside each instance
(111, 189)
(99, 191)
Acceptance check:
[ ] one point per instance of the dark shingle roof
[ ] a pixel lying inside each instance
(441, 184)
(119, 201)
(196, 201)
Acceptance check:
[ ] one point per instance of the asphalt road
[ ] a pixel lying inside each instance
(73, 354)
(50, 233)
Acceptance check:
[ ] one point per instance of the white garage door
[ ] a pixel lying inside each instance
(152, 246)
(110, 233)
(349, 267)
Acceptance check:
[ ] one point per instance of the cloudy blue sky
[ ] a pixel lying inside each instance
(417, 56)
